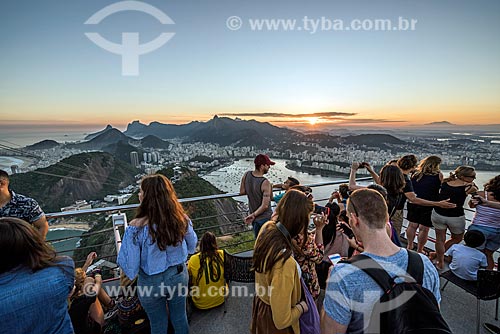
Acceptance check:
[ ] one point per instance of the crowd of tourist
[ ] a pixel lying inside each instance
(317, 268)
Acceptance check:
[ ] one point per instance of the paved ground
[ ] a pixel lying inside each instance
(457, 306)
(458, 309)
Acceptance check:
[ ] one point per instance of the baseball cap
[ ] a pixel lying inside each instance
(263, 159)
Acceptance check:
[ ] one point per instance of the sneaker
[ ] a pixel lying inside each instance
(491, 328)
(112, 312)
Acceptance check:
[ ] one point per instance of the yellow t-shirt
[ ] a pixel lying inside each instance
(209, 291)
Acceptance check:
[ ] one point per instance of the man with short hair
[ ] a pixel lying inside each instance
(19, 206)
(351, 294)
(259, 190)
(290, 182)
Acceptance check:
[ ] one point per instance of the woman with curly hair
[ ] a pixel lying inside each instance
(206, 272)
(487, 217)
(34, 282)
(155, 247)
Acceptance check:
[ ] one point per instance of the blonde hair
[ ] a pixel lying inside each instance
(460, 172)
(428, 166)
(79, 281)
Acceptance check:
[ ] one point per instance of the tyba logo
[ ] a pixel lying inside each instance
(130, 49)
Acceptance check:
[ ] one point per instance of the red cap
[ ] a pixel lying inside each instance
(263, 159)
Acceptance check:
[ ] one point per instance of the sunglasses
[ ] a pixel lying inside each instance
(354, 207)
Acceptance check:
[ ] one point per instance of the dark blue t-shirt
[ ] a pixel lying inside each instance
(22, 207)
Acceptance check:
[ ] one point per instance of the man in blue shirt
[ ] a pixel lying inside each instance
(351, 294)
(19, 206)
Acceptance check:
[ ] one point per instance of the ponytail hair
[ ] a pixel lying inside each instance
(460, 172)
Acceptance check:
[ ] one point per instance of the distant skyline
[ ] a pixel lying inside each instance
(448, 69)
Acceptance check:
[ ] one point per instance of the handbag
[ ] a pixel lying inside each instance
(130, 310)
(309, 321)
(131, 314)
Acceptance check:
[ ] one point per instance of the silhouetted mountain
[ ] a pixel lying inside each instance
(163, 131)
(373, 140)
(43, 145)
(108, 137)
(151, 141)
(441, 123)
(95, 134)
(121, 150)
(324, 139)
(220, 130)
(93, 176)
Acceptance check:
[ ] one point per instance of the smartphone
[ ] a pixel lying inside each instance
(476, 197)
(347, 230)
(335, 258)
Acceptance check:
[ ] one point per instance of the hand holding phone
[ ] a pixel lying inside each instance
(476, 197)
(335, 258)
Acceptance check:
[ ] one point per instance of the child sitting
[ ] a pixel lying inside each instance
(466, 259)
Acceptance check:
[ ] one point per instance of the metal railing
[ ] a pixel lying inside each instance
(124, 208)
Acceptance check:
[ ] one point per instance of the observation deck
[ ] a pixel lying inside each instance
(457, 306)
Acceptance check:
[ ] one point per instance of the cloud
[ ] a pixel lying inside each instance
(323, 118)
(369, 120)
(325, 115)
(339, 120)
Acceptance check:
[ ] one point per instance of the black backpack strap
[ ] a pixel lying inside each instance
(372, 269)
(415, 267)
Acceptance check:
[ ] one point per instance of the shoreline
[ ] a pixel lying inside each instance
(78, 227)
(19, 160)
(321, 172)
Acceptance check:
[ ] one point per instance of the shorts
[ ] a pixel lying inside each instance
(491, 234)
(420, 214)
(455, 224)
(397, 221)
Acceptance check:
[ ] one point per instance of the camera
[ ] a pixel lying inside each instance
(96, 271)
(476, 197)
(318, 209)
(363, 164)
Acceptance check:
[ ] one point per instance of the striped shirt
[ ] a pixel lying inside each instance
(486, 216)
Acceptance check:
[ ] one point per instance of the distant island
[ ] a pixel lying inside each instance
(441, 123)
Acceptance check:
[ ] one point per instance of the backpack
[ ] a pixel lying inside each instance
(418, 312)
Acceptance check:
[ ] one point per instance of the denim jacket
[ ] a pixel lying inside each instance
(36, 302)
(138, 252)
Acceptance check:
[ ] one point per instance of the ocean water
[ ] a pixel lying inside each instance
(228, 178)
(64, 245)
(23, 137)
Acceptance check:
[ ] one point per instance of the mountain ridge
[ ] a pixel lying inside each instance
(87, 176)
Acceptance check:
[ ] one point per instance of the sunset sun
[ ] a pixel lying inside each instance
(313, 120)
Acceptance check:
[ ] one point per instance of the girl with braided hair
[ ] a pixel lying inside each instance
(206, 272)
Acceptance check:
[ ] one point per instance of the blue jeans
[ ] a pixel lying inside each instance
(257, 224)
(167, 288)
(491, 236)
